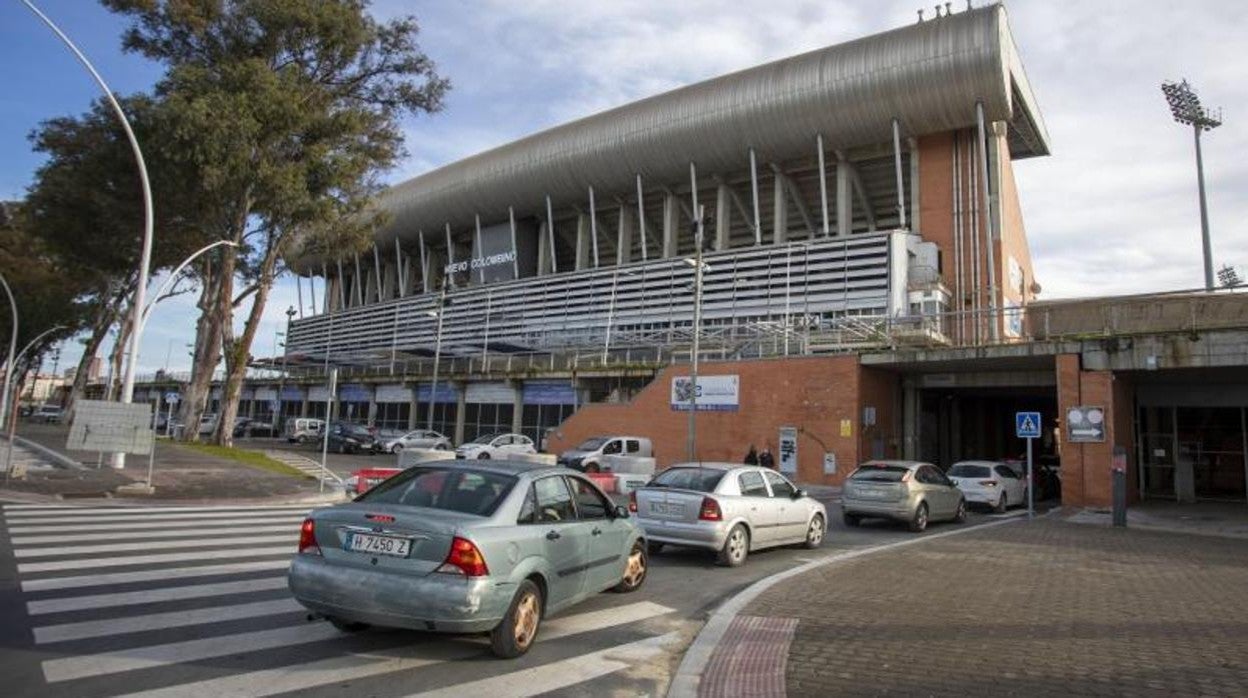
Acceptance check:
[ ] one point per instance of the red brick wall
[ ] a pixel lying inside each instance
(882, 390)
(811, 393)
(1086, 476)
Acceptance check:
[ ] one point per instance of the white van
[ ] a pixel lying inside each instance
(588, 456)
(304, 429)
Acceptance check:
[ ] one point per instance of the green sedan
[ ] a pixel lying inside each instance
(467, 547)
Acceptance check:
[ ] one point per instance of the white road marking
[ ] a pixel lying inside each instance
(137, 518)
(132, 598)
(19, 541)
(561, 674)
(350, 667)
(290, 536)
(161, 621)
(31, 511)
(70, 668)
(200, 526)
(96, 580)
(28, 567)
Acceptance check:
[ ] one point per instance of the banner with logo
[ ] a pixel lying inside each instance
(788, 450)
(714, 393)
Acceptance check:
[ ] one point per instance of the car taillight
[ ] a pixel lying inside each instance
(307, 538)
(710, 510)
(464, 558)
(632, 502)
(988, 483)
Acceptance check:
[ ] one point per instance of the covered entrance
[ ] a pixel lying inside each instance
(1193, 437)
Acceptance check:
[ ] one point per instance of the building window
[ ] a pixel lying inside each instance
(393, 415)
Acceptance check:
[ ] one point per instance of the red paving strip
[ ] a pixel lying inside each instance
(750, 660)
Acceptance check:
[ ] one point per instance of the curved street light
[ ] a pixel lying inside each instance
(145, 261)
(173, 277)
(12, 423)
(8, 364)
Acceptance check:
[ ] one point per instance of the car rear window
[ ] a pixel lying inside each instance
(451, 489)
(880, 473)
(698, 479)
(970, 471)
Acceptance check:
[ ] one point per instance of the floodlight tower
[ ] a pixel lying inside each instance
(1187, 110)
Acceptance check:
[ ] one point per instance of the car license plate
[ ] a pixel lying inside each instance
(871, 493)
(379, 545)
(667, 508)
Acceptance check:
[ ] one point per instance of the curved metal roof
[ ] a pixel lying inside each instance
(928, 75)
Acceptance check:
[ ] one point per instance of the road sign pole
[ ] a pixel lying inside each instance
(1031, 495)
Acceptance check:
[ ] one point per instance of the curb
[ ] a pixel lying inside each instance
(312, 500)
(689, 674)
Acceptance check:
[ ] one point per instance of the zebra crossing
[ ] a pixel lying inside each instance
(192, 601)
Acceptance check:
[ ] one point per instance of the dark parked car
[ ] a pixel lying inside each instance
(353, 438)
(248, 427)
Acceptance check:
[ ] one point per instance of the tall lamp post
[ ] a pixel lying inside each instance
(437, 352)
(698, 267)
(1187, 109)
(279, 426)
(12, 423)
(145, 260)
(8, 364)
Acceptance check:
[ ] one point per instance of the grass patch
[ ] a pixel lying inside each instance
(254, 459)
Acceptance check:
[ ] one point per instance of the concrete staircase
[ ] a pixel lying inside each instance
(305, 465)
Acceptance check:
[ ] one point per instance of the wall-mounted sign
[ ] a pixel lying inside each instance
(485, 262)
(715, 393)
(788, 450)
(1085, 424)
(847, 428)
(829, 463)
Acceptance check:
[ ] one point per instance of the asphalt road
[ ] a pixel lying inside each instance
(78, 621)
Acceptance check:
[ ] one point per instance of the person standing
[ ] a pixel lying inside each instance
(766, 460)
(751, 458)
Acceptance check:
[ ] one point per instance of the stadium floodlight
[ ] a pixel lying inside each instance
(1228, 276)
(1187, 110)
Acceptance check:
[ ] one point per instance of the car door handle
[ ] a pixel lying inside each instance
(553, 535)
(596, 532)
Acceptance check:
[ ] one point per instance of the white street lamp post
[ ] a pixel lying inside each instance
(145, 260)
(698, 268)
(12, 423)
(437, 353)
(8, 365)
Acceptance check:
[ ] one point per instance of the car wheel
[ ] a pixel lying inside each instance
(347, 626)
(396, 449)
(514, 636)
(654, 548)
(342, 448)
(736, 547)
(592, 468)
(1002, 504)
(960, 515)
(814, 532)
(634, 570)
(851, 520)
(919, 522)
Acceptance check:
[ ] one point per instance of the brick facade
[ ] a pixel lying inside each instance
(1086, 477)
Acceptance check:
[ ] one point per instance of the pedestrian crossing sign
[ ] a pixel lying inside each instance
(1027, 425)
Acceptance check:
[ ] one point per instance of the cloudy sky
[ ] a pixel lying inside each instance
(1113, 210)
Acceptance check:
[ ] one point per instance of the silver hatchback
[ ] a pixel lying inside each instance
(465, 548)
(729, 508)
(908, 491)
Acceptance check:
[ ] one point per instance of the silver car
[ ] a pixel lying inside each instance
(908, 491)
(420, 438)
(466, 548)
(726, 507)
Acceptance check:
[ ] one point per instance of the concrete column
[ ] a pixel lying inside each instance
(671, 225)
(543, 250)
(915, 223)
(624, 237)
(372, 411)
(723, 216)
(582, 241)
(780, 219)
(461, 412)
(844, 196)
(303, 405)
(910, 418)
(517, 408)
(413, 408)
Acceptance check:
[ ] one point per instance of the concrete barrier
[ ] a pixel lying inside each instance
(632, 465)
(543, 458)
(415, 456)
(627, 482)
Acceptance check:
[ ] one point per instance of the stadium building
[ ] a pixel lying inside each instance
(866, 285)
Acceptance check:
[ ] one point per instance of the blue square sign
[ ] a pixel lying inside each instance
(1027, 425)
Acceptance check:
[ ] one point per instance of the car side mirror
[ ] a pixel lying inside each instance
(621, 512)
(798, 494)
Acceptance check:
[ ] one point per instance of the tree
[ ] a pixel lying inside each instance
(287, 110)
(85, 206)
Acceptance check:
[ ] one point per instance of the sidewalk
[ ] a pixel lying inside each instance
(1043, 608)
(180, 474)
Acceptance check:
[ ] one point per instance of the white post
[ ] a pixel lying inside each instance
(641, 217)
(550, 230)
(823, 188)
(901, 190)
(593, 226)
(515, 253)
(606, 342)
(758, 224)
(437, 355)
(697, 327)
(8, 364)
(480, 253)
(329, 406)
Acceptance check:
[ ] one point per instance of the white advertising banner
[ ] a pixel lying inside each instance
(714, 393)
(788, 450)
